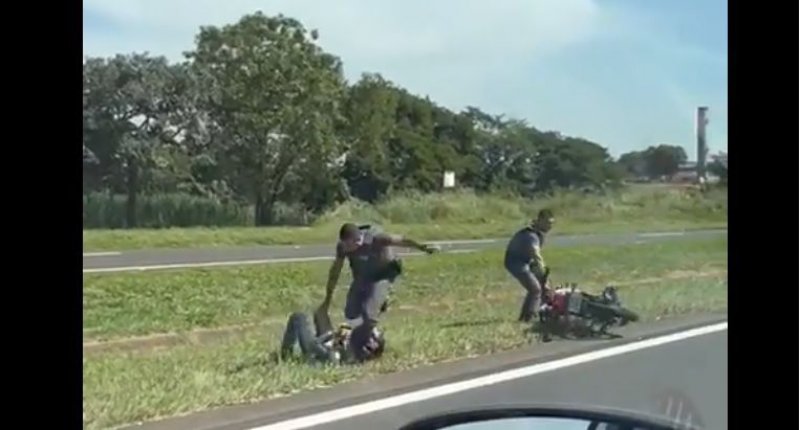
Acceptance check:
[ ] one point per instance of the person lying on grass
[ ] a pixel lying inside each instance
(334, 346)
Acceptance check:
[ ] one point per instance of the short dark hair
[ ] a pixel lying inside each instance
(348, 231)
(545, 213)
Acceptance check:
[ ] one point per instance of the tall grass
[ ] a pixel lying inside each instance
(164, 210)
(440, 216)
(466, 207)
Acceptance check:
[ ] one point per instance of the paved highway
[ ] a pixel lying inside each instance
(678, 372)
(693, 370)
(161, 259)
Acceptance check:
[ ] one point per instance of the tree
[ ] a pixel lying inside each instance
(634, 163)
(655, 161)
(130, 104)
(664, 160)
(370, 108)
(273, 100)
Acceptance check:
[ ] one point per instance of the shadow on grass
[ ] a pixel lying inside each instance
(478, 323)
(548, 336)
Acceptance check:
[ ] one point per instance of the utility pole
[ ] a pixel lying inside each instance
(702, 147)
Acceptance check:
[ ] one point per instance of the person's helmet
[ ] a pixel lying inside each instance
(376, 344)
(373, 347)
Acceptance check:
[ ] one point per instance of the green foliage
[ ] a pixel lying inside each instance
(260, 115)
(654, 162)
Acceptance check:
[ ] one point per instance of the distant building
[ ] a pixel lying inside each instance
(687, 173)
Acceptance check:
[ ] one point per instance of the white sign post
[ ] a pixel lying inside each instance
(449, 179)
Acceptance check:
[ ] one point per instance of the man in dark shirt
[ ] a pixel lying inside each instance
(375, 267)
(523, 259)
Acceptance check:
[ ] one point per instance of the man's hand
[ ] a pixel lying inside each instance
(396, 240)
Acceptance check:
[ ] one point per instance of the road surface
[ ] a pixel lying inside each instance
(682, 371)
(695, 368)
(161, 259)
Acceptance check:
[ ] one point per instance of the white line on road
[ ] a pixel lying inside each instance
(483, 381)
(100, 254)
(464, 242)
(240, 263)
(664, 234)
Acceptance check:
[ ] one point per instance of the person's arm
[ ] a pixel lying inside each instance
(537, 261)
(333, 276)
(398, 240)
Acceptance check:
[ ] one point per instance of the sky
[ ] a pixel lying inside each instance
(626, 74)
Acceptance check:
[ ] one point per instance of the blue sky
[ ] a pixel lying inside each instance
(623, 73)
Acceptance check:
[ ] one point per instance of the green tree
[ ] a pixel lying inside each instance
(273, 98)
(664, 160)
(371, 108)
(130, 107)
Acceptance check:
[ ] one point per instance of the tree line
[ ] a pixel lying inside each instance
(258, 114)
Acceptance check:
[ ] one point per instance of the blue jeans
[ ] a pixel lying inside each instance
(533, 297)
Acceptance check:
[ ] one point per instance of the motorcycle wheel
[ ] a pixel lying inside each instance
(626, 315)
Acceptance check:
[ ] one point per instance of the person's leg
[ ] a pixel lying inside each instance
(374, 296)
(533, 297)
(290, 335)
(298, 330)
(352, 306)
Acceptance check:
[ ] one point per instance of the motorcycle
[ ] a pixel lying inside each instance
(570, 311)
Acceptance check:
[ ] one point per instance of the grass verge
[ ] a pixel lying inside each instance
(448, 307)
(126, 388)
(460, 215)
(125, 304)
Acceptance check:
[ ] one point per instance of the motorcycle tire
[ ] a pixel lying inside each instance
(626, 315)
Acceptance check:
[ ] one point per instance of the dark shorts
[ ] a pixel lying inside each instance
(366, 298)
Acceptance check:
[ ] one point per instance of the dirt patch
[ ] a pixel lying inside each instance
(206, 336)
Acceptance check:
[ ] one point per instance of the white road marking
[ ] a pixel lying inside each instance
(483, 381)
(241, 262)
(464, 242)
(666, 233)
(298, 259)
(100, 254)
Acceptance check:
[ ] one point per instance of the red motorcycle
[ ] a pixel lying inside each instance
(569, 311)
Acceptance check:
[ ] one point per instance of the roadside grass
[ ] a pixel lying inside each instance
(125, 304)
(459, 215)
(124, 388)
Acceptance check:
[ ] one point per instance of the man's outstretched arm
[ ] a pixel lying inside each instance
(397, 240)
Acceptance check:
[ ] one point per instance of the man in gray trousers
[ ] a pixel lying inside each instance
(524, 261)
(375, 267)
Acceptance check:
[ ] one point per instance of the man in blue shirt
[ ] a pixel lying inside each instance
(523, 259)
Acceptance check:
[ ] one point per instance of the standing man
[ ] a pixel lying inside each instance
(374, 266)
(524, 261)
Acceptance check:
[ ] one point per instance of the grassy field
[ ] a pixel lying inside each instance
(461, 215)
(436, 298)
(124, 304)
